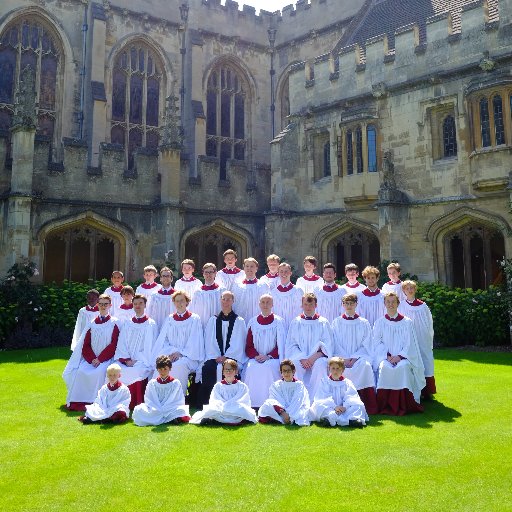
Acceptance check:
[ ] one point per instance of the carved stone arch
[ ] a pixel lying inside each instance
(439, 230)
(205, 234)
(282, 84)
(326, 239)
(68, 64)
(95, 228)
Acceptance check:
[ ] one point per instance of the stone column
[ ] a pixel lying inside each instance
(20, 198)
(199, 119)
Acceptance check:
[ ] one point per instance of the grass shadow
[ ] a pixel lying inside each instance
(454, 354)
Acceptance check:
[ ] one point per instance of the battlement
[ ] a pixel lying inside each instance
(376, 66)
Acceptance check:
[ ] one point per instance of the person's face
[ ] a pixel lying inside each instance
(209, 275)
(308, 307)
(113, 376)
(329, 275)
(273, 266)
(229, 373)
(393, 274)
(371, 281)
(127, 298)
(250, 269)
(309, 268)
(226, 302)
(285, 274)
(180, 302)
(117, 279)
(287, 373)
(230, 260)
(187, 269)
(391, 305)
(350, 307)
(410, 291)
(104, 306)
(149, 276)
(166, 279)
(163, 372)
(139, 306)
(92, 299)
(352, 276)
(266, 304)
(336, 370)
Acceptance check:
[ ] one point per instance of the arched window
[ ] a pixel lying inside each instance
(137, 86)
(359, 150)
(499, 129)
(350, 153)
(209, 245)
(357, 247)
(371, 136)
(79, 254)
(472, 254)
(285, 103)
(449, 137)
(485, 129)
(226, 116)
(327, 159)
(30, 43)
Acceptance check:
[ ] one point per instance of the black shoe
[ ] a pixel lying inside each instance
(356, 423)
(207, 421)
(85, 420)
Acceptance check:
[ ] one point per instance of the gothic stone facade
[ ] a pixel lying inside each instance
(138, 132)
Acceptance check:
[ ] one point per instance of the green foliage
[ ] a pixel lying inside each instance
(466, 316)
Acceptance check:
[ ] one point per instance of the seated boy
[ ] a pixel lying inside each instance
(160, 305)
(114, 291)
(111, 404)
(230, 274)
(336, 401)
(85, 371)
(352, 285)
(401, 376)
(352, 341)
(421, 317)
(272, 276)
(125, 310)
(136, 350)
(289, 399)
(394, 284)
(310, 281)
(188, 283)
(370, 300)
(164, 401)
(149, 286)
(85, 316)
(229, 402)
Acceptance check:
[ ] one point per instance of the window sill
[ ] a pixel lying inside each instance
(490, 149)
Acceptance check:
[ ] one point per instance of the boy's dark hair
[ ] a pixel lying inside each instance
(330, 265)
(287, 362)
(163, 361)
(310, 297)
(351, 266)
(310, 259)
(188, 262)
(93, 290)
(350, 297)
(140, 296)
(127, 290)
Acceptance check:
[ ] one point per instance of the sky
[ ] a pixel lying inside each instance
(266, 5)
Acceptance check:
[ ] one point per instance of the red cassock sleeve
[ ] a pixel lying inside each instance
(274, 354)
(109, 351)
(87, 352)
(250, 351)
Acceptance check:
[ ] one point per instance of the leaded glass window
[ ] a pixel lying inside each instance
(371, 136)
(499, 129)
(350, 153)
(485, 123)
(449, 137)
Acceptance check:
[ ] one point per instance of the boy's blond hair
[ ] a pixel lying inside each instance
(210, 265)
(150, 268)
(251, 260)
(392, 294)
(285, 265)
(371, 270)
(394, 264)
(336, 360)
(180, 292)
(410, 282)
(105, 296)
(273, 257)
(188, 262)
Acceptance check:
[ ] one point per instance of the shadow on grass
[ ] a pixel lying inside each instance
(451, 354)
(35, 355)
(435, 412)
(70, 414)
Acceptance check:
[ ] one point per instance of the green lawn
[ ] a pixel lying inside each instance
(457, 456)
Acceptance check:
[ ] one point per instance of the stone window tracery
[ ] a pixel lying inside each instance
(449, 137)
(208, 247)
(472, 255)
(359, 247)
(226, 116)
(137, 85)
(30, 42)
(499, 128)
(371, 137)
(358, 149)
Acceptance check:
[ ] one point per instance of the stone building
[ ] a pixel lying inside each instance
(136, 132)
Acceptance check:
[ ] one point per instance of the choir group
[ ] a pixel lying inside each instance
(243, 349)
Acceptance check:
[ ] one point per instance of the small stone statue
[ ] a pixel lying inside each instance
(25, 115)
(388, 172)
(171, 131)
